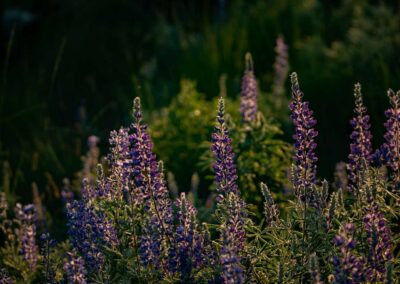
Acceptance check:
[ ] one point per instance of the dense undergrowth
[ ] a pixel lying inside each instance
(268, 218)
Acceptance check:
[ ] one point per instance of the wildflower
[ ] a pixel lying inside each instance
(75, 269)
(348, 267)
(224, 167)
(379, 243)
(281, 65)
(271, 210)
(89, 231)
(5, 277)
(304, 170)
(340, 176)
(360, 155)
(232, 271)
(29, 248)
(189, 243)
(390, 150)
(149, 191)
(248, 102)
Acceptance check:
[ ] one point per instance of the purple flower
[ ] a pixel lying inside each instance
(233, 220)
(360, 155)
(271, 211)
(390, 150)
(5, 277)
(29, 248)
(90, 230)
(188, 252)
(304, 170)
(119, 161)
(75, 269)
(148, 191)
(281, 65)
(224, 167)
(348, 268)
(379, 243)
(248, 101)
(232, 271)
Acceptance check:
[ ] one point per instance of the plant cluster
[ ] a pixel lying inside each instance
(126, 228)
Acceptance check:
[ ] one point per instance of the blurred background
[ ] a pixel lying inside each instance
(70, 69)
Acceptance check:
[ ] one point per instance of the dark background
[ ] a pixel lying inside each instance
(70, 69)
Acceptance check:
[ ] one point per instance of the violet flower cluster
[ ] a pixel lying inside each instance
(348, 268)
(89, 231)
(224, 167)
(304, 170)
(379, 243)
(248, 100)
(232, 233)
(360, 156)
(148, 191)
(188, 251)
(390, 150)
(271, 211)
(75, 269)
(29, 247)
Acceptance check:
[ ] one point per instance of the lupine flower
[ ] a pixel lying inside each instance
(29, 248)
(5, 277)
(119, 161)
(75, 269)
(348, 267)
(360, 155)
(390, 150)
(88, 231)
(379, 243)
(281, 65)
(149, 190)
(232, 232)
(304, 175)
(91, 159)
(232, 271)
(188, 251)
(340, 176)
(224, 167)
(248, 100)
(271, 211)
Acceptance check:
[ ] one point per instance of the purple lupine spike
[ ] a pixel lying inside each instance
(232, 271)
(348, 267)
(248, 99)
(390, 150)
(75, 268)
(149, 191)
(29, 247)
(232, 230)
(5, 277)
(188, 251)
(90, 230)
(281, 65)
(271, 211)
(224, 167)
(119, 161)
(305, 168)
(379, 243)
(360, 155)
